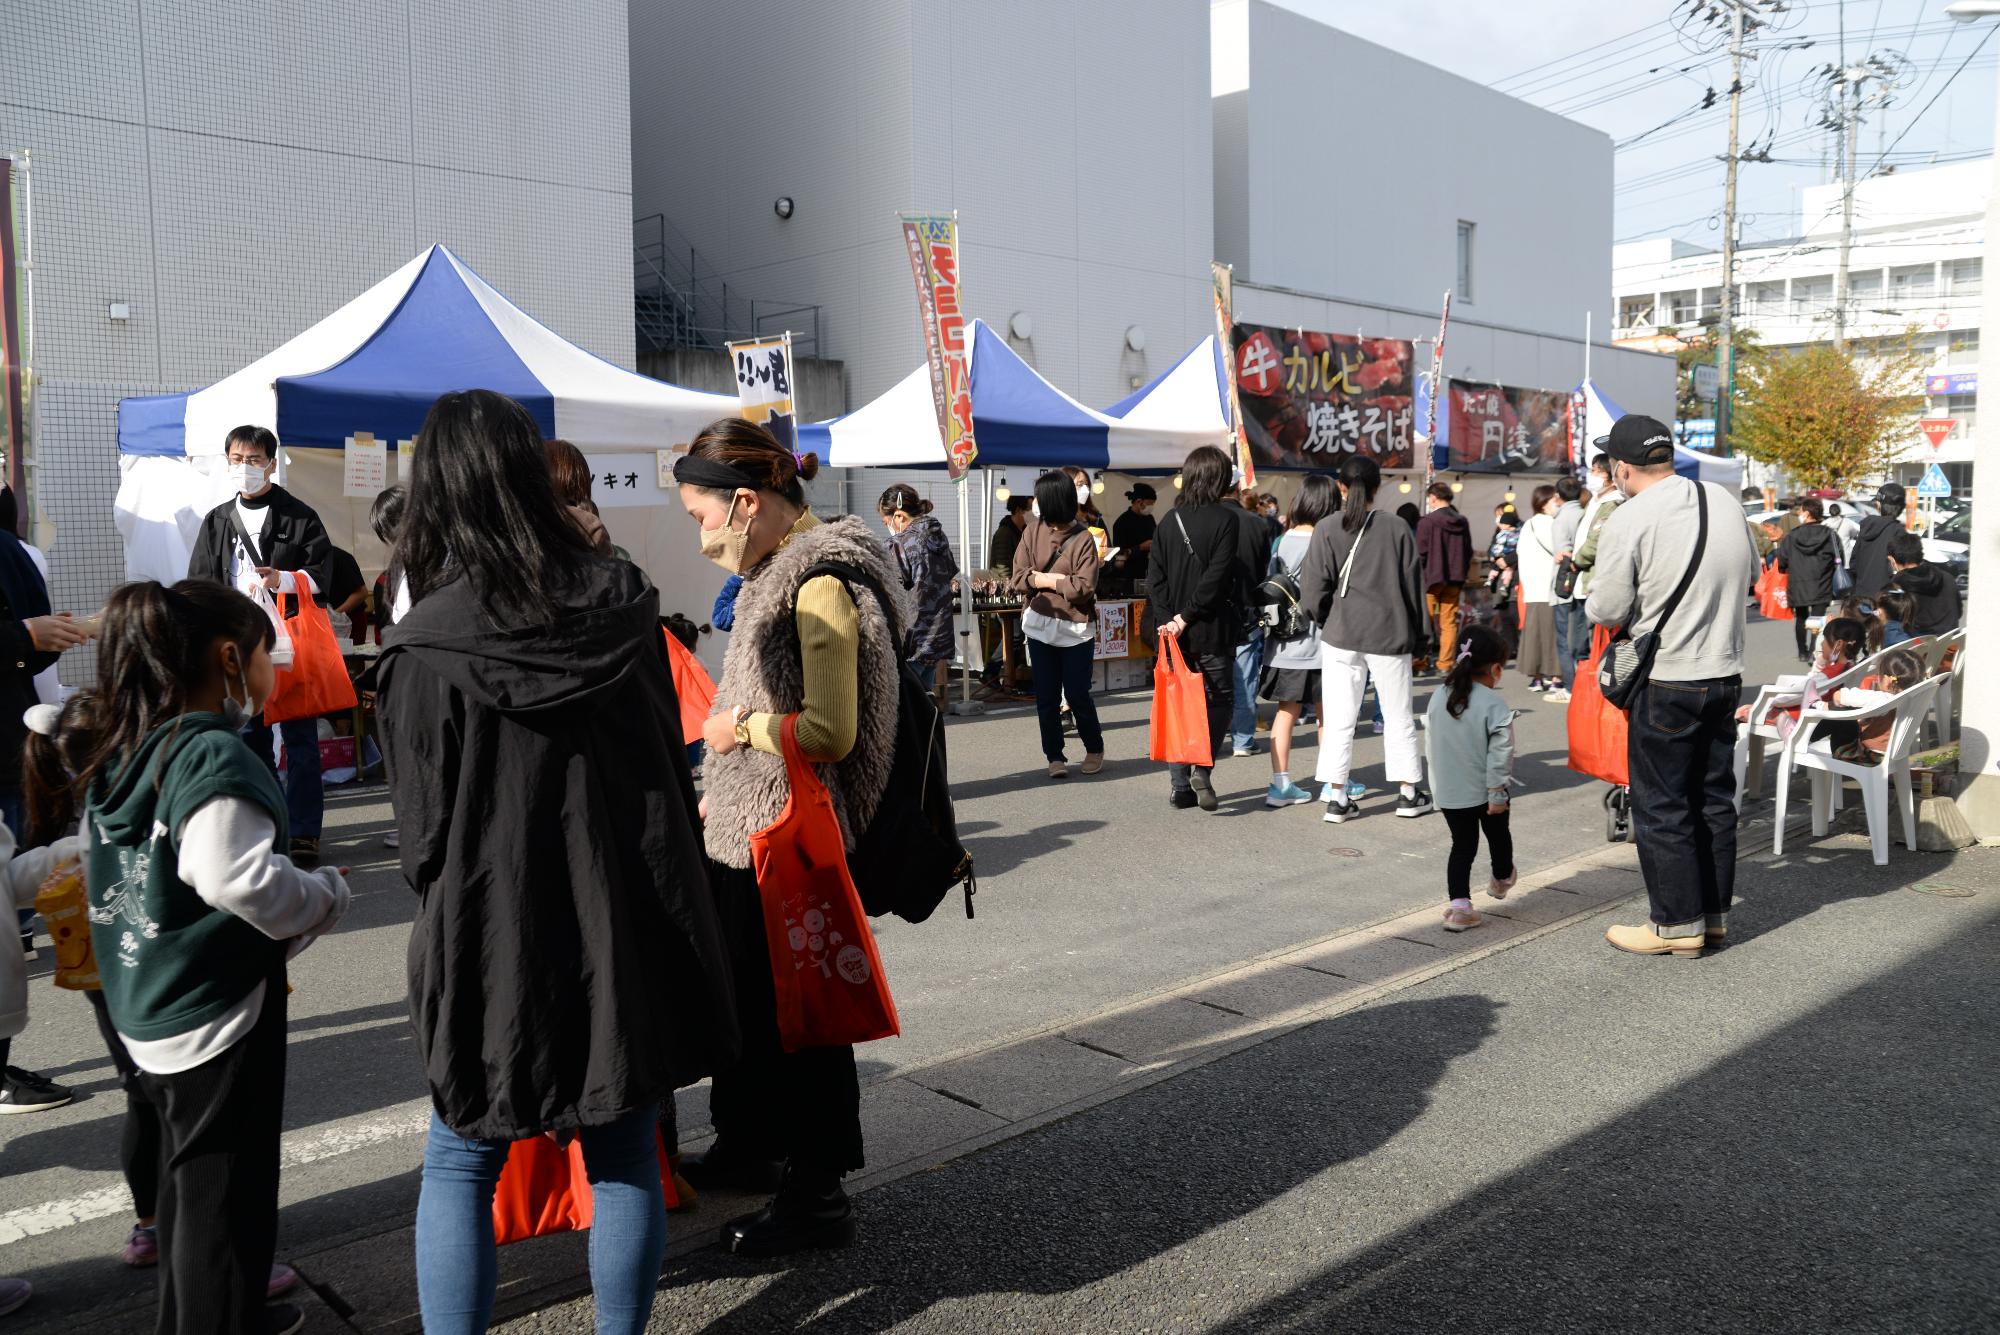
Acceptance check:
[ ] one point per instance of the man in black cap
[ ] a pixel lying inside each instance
(1681, 740)
(1132, 532)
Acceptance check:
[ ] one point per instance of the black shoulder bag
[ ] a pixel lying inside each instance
(1628, 662)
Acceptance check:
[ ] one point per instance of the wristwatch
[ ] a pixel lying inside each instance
(742, 726)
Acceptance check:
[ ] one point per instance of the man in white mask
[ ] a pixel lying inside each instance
(265, 535)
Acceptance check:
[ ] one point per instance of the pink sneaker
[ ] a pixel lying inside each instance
(1499, 886)
(283, 1277)
(142, 1249)
(1459, 916)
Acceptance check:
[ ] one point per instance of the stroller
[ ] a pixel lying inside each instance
(1617, 814)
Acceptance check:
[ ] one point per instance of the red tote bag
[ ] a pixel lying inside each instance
(1180, 709)
(692, 684)
(1597, 729)
(825, 969)
(544, 1188)
(1773, 594)
(317, 682)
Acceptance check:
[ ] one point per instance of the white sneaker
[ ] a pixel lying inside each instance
(1336, 812)
(1556, 697)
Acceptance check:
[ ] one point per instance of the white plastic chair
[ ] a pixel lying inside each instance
(1753, 734)
(1806, 749)
(1934, 656)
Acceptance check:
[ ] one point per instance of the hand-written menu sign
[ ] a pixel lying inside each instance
(1114, 630)
(629, 479)
(365, 461)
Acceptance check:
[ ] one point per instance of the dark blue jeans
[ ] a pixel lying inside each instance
(1061, 672)
(1681, 750)
(456, 1262)
(305, 800)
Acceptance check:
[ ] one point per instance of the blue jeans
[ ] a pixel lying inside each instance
(1563, 659)
(1065, 672)
(456, 1264)
(1249, 670)
(305, 800)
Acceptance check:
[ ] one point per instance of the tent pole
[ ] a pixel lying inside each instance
(967, 619)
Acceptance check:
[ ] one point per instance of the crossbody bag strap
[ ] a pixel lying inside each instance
(1694, 562)
(1347, 566)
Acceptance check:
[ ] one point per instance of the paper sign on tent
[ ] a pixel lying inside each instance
(365, 465)
(1936, 429)
(1935, 483)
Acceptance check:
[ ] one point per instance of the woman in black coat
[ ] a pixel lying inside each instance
(1200, 589)
(566, 966)
(1808, 555)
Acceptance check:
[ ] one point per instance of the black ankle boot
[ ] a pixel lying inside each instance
(810, 1212)
(724, 1168)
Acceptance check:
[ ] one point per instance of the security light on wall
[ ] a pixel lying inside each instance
(119, 310)
(1021, 325)
(1135, 337)
(783, 208)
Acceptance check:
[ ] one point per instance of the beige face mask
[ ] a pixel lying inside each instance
(726, 546)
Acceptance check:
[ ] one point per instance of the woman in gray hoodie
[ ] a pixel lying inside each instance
(1363, 583)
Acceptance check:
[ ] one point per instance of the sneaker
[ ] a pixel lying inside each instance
(1286, 794)
(1381, 726)
(14, 1293)
(1336, 812)
(394, 838)
(1058, 769)
(142, 1249)
(283, 1318)
(1498, 887)
(1458, 916)
(1558, 696)
(1181, 799)
(25, 1092)
(1204, 788)
(282, 1280)
(1417, 804)
(1356, 790)
(1240, 751)
(305, 853)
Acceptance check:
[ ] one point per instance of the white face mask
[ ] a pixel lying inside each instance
(1083, 495)
(1035, 509)
(248, 478)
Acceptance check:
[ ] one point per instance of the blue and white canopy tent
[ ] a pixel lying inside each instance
(1600, 413)
(376, 365)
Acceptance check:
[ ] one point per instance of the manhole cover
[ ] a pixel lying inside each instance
(1345, 852)
(1941, 891)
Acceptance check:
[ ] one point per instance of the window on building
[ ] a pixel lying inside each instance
(1965, 276)
(1635, 312)
(1711, 301)
(1680, 306)
(1765, 299)
(1913, 282)
(1464, 261)
(1964, 349)
(1964, 409)
(1864, 290)
(1812, 298)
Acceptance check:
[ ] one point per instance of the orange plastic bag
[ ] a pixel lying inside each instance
(1597, 729)
(692, 684)
(1180, 709)
(1773, 594)
(544, 1188)
(825, 969)
(317, 682)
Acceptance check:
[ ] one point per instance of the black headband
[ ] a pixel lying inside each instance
(695, 471)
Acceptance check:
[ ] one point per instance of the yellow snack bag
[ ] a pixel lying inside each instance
(66, 910)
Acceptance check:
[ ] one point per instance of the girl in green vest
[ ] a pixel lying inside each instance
(194, 910)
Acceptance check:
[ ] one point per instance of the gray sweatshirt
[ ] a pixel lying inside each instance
(1642, 552)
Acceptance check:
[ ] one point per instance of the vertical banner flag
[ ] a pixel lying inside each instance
(1224, 277)
(764, 386)
(1437, 388)
(932, 240)
(13, 374)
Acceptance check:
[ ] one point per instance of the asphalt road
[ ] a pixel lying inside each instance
(1092, 891)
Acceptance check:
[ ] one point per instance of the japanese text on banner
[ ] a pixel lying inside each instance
(932, 241)
(1502, 429)
(764, 386)
(1309, 398)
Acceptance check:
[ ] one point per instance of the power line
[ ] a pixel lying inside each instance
(1934, 97)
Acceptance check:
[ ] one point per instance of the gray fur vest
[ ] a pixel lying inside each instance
(747, 788)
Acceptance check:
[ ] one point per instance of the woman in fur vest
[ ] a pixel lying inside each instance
(823, 650)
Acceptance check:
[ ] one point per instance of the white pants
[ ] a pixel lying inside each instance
(1343, 677)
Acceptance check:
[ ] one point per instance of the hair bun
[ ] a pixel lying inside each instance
(925, 507)
(808, 466)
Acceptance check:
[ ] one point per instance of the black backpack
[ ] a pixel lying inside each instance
(1278, 608)
(909, 857)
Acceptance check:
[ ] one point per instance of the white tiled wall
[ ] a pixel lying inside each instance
(234, 170)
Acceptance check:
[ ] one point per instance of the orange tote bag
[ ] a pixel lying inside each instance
(544, 1188)
(317, 682)
(692, 684)
(1180, 709)
(1597, 728)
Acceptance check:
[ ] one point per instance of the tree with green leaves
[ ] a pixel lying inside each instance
(1828, 417)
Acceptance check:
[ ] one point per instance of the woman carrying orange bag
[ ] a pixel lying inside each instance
(809, 647)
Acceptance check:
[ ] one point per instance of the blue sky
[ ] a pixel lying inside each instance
(1644, 71)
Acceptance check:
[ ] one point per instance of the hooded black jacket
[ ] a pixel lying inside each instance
(1808, 555)
(566, 964)
(1870, 558)
(1935, 593)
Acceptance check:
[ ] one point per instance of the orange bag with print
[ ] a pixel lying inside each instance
(1773, 594)
(317, 682)
(1597, 728)
(544, 1188)
(825, 970)
(1180, 709)
(692, 684)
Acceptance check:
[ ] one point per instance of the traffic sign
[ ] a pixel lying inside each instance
(1936, 429)
(1935, 484)
(1707, 380)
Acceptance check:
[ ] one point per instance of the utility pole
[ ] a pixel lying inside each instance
(1850, 125)
(1727, 324)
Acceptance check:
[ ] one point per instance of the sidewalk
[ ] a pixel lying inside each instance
(1396, 1129)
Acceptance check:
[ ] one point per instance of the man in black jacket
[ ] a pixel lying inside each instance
(266, 535)
(1933, 592)
(1808, 555)
(1869, 557)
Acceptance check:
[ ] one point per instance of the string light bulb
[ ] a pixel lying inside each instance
(1510, 496)
(1097, 485)
(1457, 485)
(1177, 481)
(1403, 487)
(1003, 493)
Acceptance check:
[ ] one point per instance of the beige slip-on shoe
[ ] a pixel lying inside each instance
(1646, 941)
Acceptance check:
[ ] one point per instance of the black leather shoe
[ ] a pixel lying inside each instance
(723, 1169)
(1181, 799)
(798, 1219)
